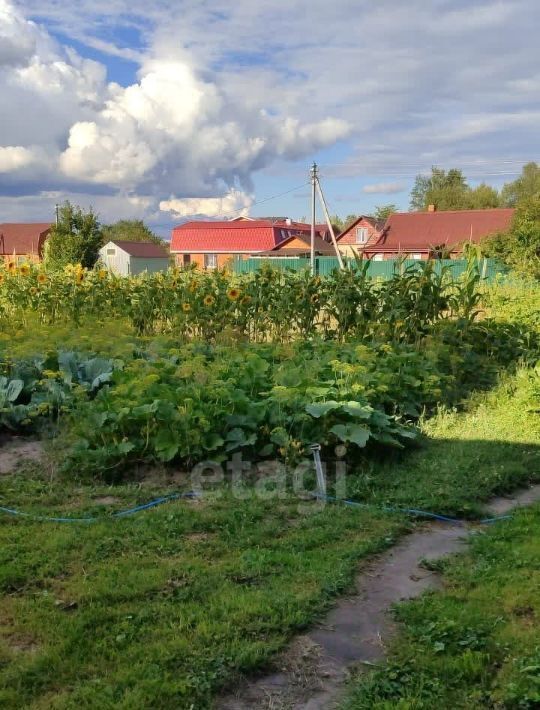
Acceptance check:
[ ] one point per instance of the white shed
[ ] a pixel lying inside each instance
(131, 258)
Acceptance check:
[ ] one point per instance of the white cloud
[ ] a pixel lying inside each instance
(15, 157)
(384, 188)
(234, 204)
(225, 88)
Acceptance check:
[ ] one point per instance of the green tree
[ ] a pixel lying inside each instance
(349, 219)
(382, 212)
(445, 190)
(520, 246)
(483, 197)
(76, 239)
(337, 223)
(526, 186)
(131, 230)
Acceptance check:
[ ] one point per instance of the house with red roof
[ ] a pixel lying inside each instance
(213, 245)
(431, 234)
(23, 241)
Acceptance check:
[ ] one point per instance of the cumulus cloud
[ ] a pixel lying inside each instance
(174, 131)
(223, 89)
(235, 203)
(384, 188)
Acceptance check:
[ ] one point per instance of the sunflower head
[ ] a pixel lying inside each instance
(79, 277)
(233, 294)
(245, 300)
(24, 270)
(12, 266)
(102, 274)
(208, 300)
(186, 307)
(41, 279)
(193, 285)
(314, 298)
(33, 291)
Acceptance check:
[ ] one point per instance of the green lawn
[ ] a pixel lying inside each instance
(492, 448)
(162, 609)
(476, 644)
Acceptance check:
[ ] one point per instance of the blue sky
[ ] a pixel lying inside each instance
(192, 108)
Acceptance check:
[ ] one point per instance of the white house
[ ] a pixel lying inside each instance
(131, 258)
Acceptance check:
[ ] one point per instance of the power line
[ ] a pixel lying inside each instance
(253, 204)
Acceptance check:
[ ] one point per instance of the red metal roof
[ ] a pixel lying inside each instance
(419, 231)
(225, 237)
(142, 249)
(23, 238)
(229, 237)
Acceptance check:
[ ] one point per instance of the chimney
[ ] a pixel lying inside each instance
(288, 221)
(431, 208)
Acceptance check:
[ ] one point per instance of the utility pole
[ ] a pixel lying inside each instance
(56, 212)
(328, 222)
(313, 216)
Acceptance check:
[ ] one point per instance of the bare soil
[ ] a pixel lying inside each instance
(16, 451)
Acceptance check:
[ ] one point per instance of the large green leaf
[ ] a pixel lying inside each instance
(356, 434)
(360, 411)
(319, 409)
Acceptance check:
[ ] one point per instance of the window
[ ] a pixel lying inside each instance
(416, 256)
(187, 259)
(361, 235)
(377, 257)
(111, 252)
(210, 261)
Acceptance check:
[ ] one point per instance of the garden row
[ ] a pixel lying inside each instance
(268, 305)
(199, 402)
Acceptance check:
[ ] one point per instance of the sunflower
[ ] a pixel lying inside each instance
(193, 285)
(1, 278)
(186, 307)
(42, 279)
(245, 300)
(208, 300)
(102, 274)
(314, 298)
(33, 291)
(233, 294)
(12, 266)
(24, 270)
(79, 277)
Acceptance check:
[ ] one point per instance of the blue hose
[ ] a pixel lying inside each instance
(412, 511)
(119, 514)
(176, 496)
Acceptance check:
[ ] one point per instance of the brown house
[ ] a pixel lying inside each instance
(363, 232)
(299, 245)
(23, 241)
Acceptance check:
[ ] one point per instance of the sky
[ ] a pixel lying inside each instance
(165, 111)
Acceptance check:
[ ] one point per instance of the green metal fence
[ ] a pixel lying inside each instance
(324, 265)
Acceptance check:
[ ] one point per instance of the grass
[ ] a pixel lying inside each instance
(476, 644)
(490, 449)
(165, 608)
(161, 609)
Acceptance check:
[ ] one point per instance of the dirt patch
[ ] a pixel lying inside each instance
(21, 643)
(106, 500)
(311, 674)
(16, 452)
(519, 499)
